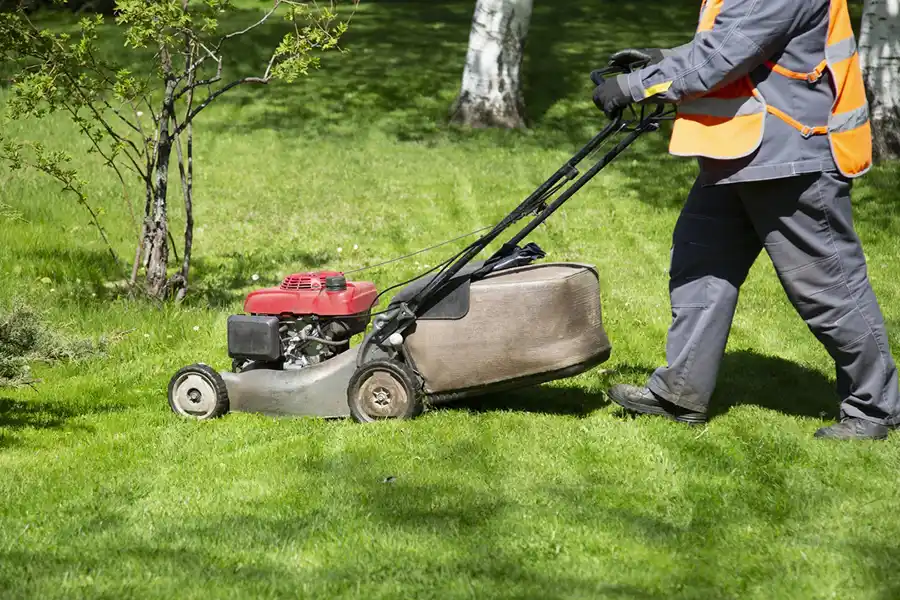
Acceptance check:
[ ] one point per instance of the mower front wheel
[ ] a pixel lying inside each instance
(198, 392)
(383, 389)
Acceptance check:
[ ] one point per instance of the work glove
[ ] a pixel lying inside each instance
(611, 95)
(630, 56)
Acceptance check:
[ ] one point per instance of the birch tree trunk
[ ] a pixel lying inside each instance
(491, 85)
(879, 49)
(156, 234)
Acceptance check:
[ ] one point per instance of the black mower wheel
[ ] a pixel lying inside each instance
(198, 392)
(384, 389)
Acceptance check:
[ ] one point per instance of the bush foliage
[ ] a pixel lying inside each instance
(26, 338)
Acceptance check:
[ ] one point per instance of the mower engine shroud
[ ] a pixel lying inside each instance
(309, 318)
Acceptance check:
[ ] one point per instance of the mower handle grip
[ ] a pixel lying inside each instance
(598, 76)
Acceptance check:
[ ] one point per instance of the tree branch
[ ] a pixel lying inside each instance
(190, 87)
(217, 56)
(122, 117)
(191, 70)
(86, 102)
(187, 176)
(190, 116)
(69, 187)
(251, 27)
(109, 130)
(108, 159)
(150, 108)
(98, 67)
(172, 241)
(268, 73)
(210, 54)
(83, 201)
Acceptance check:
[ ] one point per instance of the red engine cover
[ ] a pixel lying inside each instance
(305, 294)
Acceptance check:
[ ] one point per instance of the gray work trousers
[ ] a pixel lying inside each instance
(805, 224)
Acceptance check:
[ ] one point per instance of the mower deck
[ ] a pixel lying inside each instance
(315, 391)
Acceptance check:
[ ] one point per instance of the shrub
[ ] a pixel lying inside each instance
(26, 338)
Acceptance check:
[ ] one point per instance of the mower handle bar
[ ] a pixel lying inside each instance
(535, 203)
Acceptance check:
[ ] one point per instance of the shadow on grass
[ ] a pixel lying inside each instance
(92, 266)
(689, 540)
(406, 58)
(750, 378)
(57, 566)
(885, 560)
(462, 523)
(547, 399)
(745, 378)
(16, 415)
(484, 565)
(404, 65)
(539, 399)
(493, 544)
(404, 68)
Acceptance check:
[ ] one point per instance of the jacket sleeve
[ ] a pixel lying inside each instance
(734, 37)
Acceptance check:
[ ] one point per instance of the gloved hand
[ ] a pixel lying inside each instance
(630, 56)
(612, 95)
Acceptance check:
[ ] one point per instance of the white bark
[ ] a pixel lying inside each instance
(491, 85)
(879, 50)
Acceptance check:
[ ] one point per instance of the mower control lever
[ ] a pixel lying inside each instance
(393, 321)
(600, 75)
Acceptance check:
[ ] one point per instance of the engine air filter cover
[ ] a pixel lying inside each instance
(254, 337)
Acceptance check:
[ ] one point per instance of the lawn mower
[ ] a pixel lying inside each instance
(462, 329)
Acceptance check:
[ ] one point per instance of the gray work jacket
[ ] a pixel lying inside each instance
(745, 35)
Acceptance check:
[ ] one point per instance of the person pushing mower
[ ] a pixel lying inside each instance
(771, 101)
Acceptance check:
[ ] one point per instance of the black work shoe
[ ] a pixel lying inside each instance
(645, 402)
(854, 429)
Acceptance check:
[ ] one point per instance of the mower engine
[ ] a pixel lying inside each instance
(307, 320)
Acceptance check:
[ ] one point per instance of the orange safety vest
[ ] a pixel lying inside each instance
(727, 123)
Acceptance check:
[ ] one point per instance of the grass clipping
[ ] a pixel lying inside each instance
(26, 338)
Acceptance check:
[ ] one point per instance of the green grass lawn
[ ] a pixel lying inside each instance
(543, 493)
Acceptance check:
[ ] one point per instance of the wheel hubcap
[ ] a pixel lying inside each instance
(382, 396)
(194, 395)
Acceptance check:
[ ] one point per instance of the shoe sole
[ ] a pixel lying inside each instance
(643, 409)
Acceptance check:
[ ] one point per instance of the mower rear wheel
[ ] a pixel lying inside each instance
(198, 392)
(383, 389)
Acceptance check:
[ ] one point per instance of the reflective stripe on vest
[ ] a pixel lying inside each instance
(849, 130)
(729, 122)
